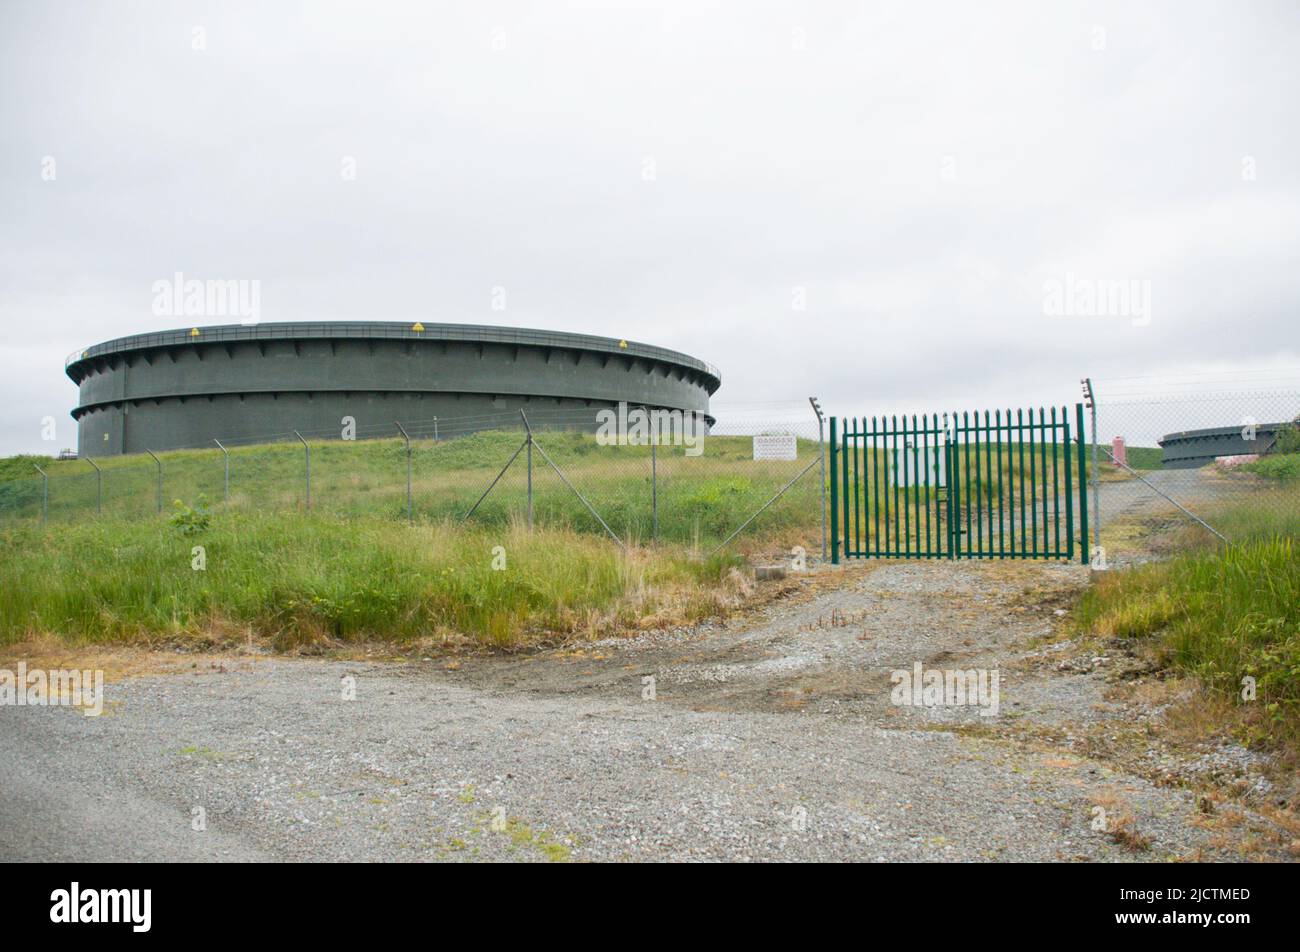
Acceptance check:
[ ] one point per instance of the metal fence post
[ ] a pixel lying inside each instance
(1069, 485)
(1096, 471)
(435, 429)
(654, 486)
(410, 513)
(1083, 487)
(308, 449)
(835, 520)
(821, 456)
(528, 441)
(227, 456)
(45, 495)
(160, 477)
(99, 486)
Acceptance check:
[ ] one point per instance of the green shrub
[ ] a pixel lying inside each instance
(191, 520)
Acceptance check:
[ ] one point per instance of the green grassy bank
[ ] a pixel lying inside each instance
(292, 580)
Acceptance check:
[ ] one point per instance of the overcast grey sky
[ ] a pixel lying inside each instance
(867, 201)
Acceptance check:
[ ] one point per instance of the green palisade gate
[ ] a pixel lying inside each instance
(960, 485)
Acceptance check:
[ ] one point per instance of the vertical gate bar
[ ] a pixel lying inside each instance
(965, 416)
(1056, 487)
(835, 521)
(917, 461)
(1033, 483)
(948, 490)
(916, 479)
(870, 515)
(875, 488)
(896, 475)
(954, 490)
(857, 522)
(954, 486)
(1020, 444)
(1083, 489)
(886, 478)
(908, 479)
(1033, 490)
(940, 499)
(988, 468)
(1002, 551)
(1042, 448)
(907, 487)
(1040, 431)
(978, 489)
(868, 538)
(1069, 490)
(925, 458)
(898, 479)
(859, 499)
(922, 487)
(844, 485)
(859, 486)
(1011, 492)
(986, 482)
(853, 533)
(895, 549)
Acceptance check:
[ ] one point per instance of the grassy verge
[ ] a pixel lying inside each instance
(295, 581)
(694, 498)
(1284, 468)
(1221, 614)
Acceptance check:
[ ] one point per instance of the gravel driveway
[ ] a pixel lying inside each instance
(773, 737)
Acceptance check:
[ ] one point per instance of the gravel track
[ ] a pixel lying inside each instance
(771, 737)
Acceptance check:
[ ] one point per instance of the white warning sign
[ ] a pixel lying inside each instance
(776, 447)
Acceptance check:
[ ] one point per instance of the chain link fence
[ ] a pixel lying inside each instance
(748, 473)
(1227, 462)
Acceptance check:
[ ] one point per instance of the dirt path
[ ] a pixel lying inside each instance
(1134, 515)
(768, 738)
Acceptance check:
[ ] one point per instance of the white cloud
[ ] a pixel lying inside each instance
(919, 170)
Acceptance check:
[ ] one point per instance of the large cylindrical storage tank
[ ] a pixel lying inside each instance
(247, 383)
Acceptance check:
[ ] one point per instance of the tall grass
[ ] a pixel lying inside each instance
(293, 579)
(698, 498)
(1220, 614)
(1285, 468)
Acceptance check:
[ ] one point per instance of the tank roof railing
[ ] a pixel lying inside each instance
(389, 330)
